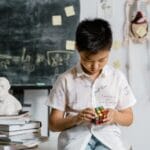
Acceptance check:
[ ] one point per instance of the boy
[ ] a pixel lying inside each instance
(90, 84)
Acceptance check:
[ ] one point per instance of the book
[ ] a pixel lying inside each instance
(4, 146)
(28, 143)
(21, 136)
(16, 127)
(20, 115)
(15, 121)
(33, 141)
(21, 118)
(7, 147)
(11, 133)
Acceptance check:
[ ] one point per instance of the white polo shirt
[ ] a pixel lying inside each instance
(74, 91)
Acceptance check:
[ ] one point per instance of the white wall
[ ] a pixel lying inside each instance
(136, 56)
(137, 59)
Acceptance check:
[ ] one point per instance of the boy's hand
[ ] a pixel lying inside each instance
(111, 116)
(86, 115)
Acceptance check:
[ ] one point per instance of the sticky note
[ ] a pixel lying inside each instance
(117, 64)
(69, 10)
(116, 45)
(70, 45)
(57, 20)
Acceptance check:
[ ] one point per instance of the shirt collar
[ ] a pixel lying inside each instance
(80, 72)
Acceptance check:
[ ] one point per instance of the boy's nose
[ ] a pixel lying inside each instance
(95, 65)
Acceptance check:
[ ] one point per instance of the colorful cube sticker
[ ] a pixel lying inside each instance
(100, 114)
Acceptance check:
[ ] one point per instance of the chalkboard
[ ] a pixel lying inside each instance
(33, 49)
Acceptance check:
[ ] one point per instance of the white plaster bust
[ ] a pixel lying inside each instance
(9, 105)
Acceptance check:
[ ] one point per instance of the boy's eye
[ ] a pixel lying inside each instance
(92, 61)
(87, 60)
(102, 60)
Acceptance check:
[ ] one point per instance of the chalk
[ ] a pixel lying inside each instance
(40, 84)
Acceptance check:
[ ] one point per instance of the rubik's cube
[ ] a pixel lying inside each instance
(100, 114)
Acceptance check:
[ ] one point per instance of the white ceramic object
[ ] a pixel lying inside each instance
(9, 105)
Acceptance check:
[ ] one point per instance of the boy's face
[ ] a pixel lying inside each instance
(93, 63)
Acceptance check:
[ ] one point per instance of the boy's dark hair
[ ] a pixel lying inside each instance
(93, 35)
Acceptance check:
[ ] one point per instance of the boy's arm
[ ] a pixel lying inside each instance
(121, 117)
(58, 122)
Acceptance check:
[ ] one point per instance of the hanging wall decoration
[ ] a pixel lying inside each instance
(139, 27)
(136, 24)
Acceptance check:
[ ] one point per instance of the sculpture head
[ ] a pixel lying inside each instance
(4, 86)
(9, 105)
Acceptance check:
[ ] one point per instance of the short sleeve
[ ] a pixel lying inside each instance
(126, 98)
(57, 96)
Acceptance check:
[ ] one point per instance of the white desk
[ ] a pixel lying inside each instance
(46, 146)
(50, 145)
